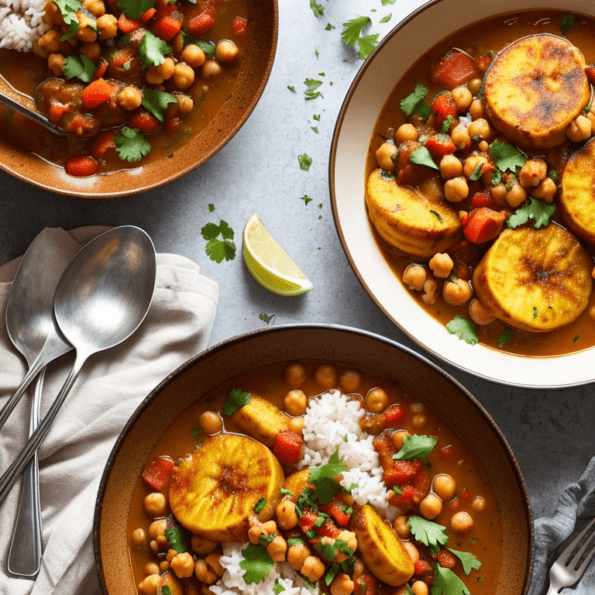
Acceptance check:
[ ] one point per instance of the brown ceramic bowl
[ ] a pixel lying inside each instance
(308, 343)
(256, 67)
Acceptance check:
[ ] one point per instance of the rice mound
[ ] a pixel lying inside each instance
(21, 24)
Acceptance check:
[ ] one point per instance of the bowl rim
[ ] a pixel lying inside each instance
(224, 344)
(177, 174)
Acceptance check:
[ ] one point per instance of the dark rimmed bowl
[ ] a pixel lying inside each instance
(262, 35)
(322, 343)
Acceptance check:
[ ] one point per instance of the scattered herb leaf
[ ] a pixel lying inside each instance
(278, 588)
(567, 22)
(463, 329)
(387, 18)
(506, 335)
(427, 532)
(415, 446)
(257, 563)
(312, 85)
(81, 68)
(468, 560)
(153, 50)
(436, 214)
(236, 399)
(194, 432)
(211, 207)
(422, 156)
(68, 10)
(446, 582)
(352, 29)
(446, 124)
(387, 2)
(317, 9)
(157, 101)
(366, 45)
(286, 492)
(217, 249)
(329, 27)
(177, 539)
(535, 313)
(260, 505)
(266, 318)
(291, 88)
(306, 199)
(505, 156)
(414, 103)
(305, 162)
(322, 478)
(476, 172)
(134, 8)
(295, 541)
(315, 128)
(132, 145)
(540, 211)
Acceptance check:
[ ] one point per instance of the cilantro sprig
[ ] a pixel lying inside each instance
(414, 103)
(567, 22)
(505, 156)
(422, 156)
(463, 328)
(305, 162)
(540, 211)
(81, 68)
(132, 145)
(317, 9)
(156, 102)
(177, 539)
(311, 86)
(415, 447)
(236, 399)
(427, 532)
(257, 563)
(68, 10)
(468, 560)
(153, 50)
(219, 249)
(323, 478)
(352, 34)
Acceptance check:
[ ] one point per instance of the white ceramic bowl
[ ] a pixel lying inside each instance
(373, 84)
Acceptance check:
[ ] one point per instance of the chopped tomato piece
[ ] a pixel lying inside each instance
(158, 471)
(144, 121)
(81, 166)
(168, 26)
(393, 416)
(148, 15)
(422, 567)
(127, 25)
(445, 559)
(483, 199)
(440, 145)
(309, 518)
(103, 143)
(57, 110)
(465, 495)
(96, 93)
(239, 26)
(405, 500)
(173, 124)
(454, 504)
(101, 69)
(483, 62)
(329, 529)
(365, 583)
(287, 447)
(442, 107)
(399, 474)
(483, 225)
(590, 72)
(337, 513)
(456, 68)
(201, 24)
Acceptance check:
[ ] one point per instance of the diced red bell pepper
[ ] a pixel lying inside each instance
(101, 69)
(201, 24)
(365, 583)
(309, 518)
(483, 199)
(456, 68)
(103, 143)
(146, 122)
(57, 110)
(393, 416)
(329, 529)
(422, 567)
(590, 72)
(337, 514)
(454, 504)
(148, 15)
(239, 26)
(445, 559)
(465, 495)
(447, 453)
(440, 145)
(96, 93)
(81, 166)
(483, 225)
(401, 473)
(158, 471)
(287, 447)
(127, 25)
(168, 26)
(442, 107)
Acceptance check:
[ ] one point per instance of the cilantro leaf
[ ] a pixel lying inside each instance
(165, 590)
(157, 101)
(540, 211)
(414, 103)
(68, 9)
(463, 329)
(226, 231)
(387, 18)
(217, 249)
(437, 215)
(317, 9)
(469, 561)
(329, 27)
(427, 532)
(409, 590)
(415, 447)
(307, 199)
(132, 145)
(446, 124)
(211, 207)
(305, 162)
(312, 85)
(278, 588)
(210, 231)
(236, 399)
(476, 172)
(505, 156)
(446, 582)
(352, 29)
(315, 128)
(506, 335)
(177, 539)
(153, 50)
(266, 318)
(366, 45)
(81, 68)
(261, 504)
(322, 478)
(331, 574)
(194, 432)
(257, 563)
(386, 2)
(291, 88)
(134, 8)
(422, 156)
(567, 22)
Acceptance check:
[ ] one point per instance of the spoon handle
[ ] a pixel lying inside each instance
(12, 473)
(24, 555)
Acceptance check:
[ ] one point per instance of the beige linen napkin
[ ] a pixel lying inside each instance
(105, 395)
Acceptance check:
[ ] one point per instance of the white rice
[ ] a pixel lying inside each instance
(21, 23)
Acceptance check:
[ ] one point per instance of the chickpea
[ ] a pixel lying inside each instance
(210, 70)
(152, 568)
(203, 573)
(461, 522)
(483, 146)
(91, 51)
(350, 381)
(462, 98)
(358, 569)
(296, 402)
(56, 64)
(441, 264)
(226, 50)
(401, 527)
(377, 400)
(50, 41)
(296, 556)
(402, 590)
(342, 585)
(350, 539)
(171, 554)
(313, 568)
(417, 407)
(384, 156)
(460, 137)
(107, 27)
(579, 130)
(398, 438)
(210, 422)
(259, 529)
(478, 313)
(546, 190)
(450, 167)
(193, 56)
(183, 565)
(202, 546)
(157, 528)
(412, 551)
(139, 539)
(532, 172)
(592, 313)
(163, 566)
(167, 68)
(430, 294)
(153, 75)
(406, 132)
(286, 515)
(130, 98)
(326, 376)
(474, 85)
(86, 33)
(445, 486)
(498, 193)
(476, 110)
(162, 542)
(516, 195)
(149, 585)
(415, 276)
(456, 190)
(52, 15)
(294, 374)
(95, 7)
(479, 127)
(420, 588)
(156, 505)
(154, 546)
(472, 163)
(418, 421)
(214, 563)
(296, 424)
(478, 504)
(277, 549)
(183, 76)
(185, 104)
(457, 292)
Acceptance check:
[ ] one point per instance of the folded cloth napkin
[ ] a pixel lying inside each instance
(105, 395)
(575, 506)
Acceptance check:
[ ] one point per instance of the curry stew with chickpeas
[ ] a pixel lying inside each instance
(129, 81)
(236, 470)
(480, 182)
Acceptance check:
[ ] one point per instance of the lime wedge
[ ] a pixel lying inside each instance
(269, 264)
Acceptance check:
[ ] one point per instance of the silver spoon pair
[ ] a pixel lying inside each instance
(100, 299)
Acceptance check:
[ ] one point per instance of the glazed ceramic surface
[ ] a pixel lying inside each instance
(368, 93)
(256, 67)
(308, 343)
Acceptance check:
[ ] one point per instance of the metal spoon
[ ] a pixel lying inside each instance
(101, 299)
(29, 320)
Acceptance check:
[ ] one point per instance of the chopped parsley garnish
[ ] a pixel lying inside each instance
(463, 328)
(567, 22)
(153, 50)
(387, 18)
(211, 207)
(506, 335)
(575, 339)
(219, 249)
(535, 313)
(476, 172)
(329, 27)
(387, 175)
(260, 505)
(314, 128)
(496, 177)
(505, 156)
(81, 68)
(469, 561)
(312, 85)
(414, 103)
(427, 532)
(266, 539)
(257, 563)
(553, 174)
(415, 447)
(177, 539)
(68, 9)
(156, 102)
(291, 88)
(409, 590)
(305, 162)
(266, 318)
(208, 47)
(436, 214)
(194, 432)
(331, 574)
(165, 590)
(236, 399)
(278, 588)
(131, 144)
(286, 492)
(540, 211)
(352, 34)
(295, 541)
(322, 478)
(366, 45)
(446, 582)
(306, 199)
(422, 156)
(387, 2)
(446, 124)
(317, 9)
(321, 519)
(397, 490)
(351, 487)
(134, 8)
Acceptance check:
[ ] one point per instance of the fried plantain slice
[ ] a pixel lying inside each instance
(214, 491)
(408, 221)
(535, 88)
(261, 419)
(535, 279)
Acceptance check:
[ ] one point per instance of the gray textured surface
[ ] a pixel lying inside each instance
(550, 431)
